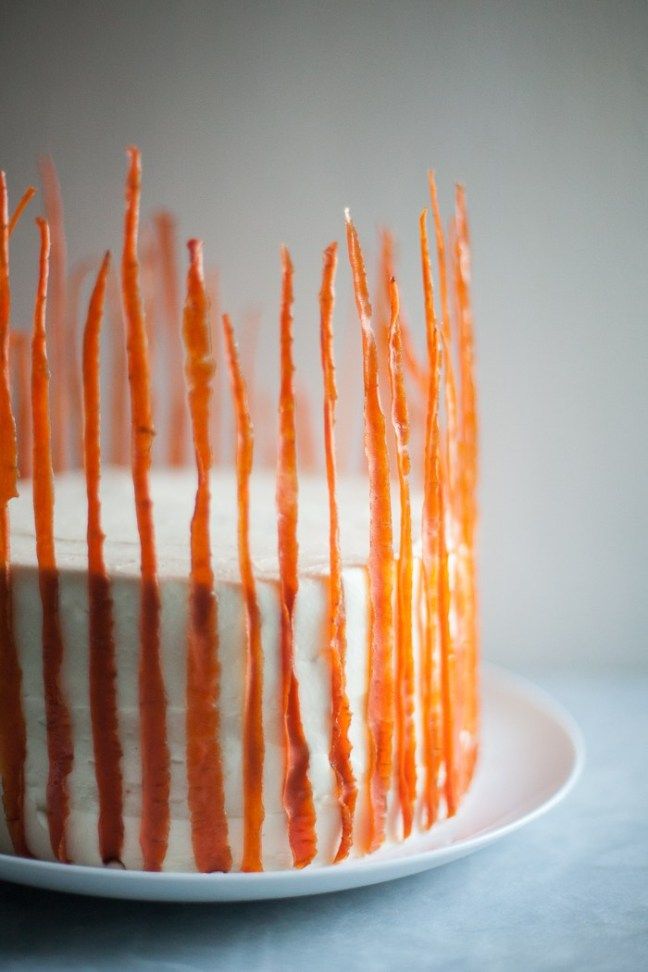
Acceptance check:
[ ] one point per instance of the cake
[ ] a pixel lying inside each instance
(249, 665)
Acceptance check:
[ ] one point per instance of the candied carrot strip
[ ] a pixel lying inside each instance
(469, 465)
(19, 348)
(380, 696)
(119, 425)
(23, 203)
(103, 668)
(154, 824)
(253, 740)
(57, 313)
(204, 758)
(430, 669)
(59, 727)
(213, 297)
(405, 733)
(340, 748)
(166, 230)
(448, 658)
(13, 740)
(297, 790)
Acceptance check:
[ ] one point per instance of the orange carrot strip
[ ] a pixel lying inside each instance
(253, 740)
(23, 203)
(204, 759)
(430, 673)
(19, 350)
(405, 733)
(119, 426)
(469, 467)
(59, 728)
(166, 230)
(448, 659)
(340, 748)
(212, 287)
(154, 825)
(13, 742)
(103, 669)
(57, 312)
(297, 791)
(380, 696)
(446, 334)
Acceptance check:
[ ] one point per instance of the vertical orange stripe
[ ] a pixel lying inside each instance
(405, 734)
(59, 728)
(297, 792)
(430, 674)
(380, 696)
(154, 825)
(57, 313)
(119, 426)
(340, 748)
(204, 760)
(253, 739)
(21, 373)
(103, 671)
(13, 743)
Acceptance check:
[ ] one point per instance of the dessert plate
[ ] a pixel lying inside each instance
(532, 753)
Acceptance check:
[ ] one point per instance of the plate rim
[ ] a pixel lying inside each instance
(36, 873)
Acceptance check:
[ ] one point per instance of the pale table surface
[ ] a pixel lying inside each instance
(568, 892)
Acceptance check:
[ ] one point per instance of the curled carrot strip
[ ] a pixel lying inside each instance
(166, 230)
(253, 741)
(405, 735)
(154, 826)
(103, 669)
(297, 791)
(380, 697)
(57, 313)
(13, 741)
(204, 760)
(59, 728)
(76, 280)
(430, 673)
(340, 748)
(448, 659)
(23, 203)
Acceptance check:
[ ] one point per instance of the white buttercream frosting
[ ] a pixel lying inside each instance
(173, 496)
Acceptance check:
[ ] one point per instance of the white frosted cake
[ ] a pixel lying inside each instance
(244, 664)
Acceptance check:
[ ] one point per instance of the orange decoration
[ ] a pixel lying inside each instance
(154, 827)
(430, 669)
(20, 368)
(340, 750)
(119, 425)
(166, 230)
(297, 792)
(380, 700)
(57, 313)
(405, 735)
(204, 761)
(253, 740)
(469, 445)
(103, 670)
(12, 721)
(23, 203)
(448, 659)
(59, 728)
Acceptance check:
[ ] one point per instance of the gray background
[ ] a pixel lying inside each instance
(260, 122)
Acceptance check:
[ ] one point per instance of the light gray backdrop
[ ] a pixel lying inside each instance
(259, 122)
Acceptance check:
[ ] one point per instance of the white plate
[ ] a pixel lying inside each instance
(532, 753)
